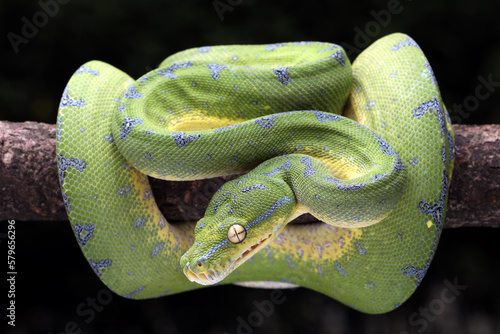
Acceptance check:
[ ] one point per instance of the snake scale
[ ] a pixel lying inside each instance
(367, 149)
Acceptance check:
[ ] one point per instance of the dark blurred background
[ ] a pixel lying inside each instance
(46, 41)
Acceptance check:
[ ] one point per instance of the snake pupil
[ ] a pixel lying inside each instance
(236, 233)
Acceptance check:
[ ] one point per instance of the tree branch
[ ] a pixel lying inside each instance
(29, 188)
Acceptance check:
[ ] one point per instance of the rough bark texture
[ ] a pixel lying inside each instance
(29, 189)
(474, 197)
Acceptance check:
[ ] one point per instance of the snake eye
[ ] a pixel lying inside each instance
(236, 233)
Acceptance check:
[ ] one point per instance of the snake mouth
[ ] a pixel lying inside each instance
(218, 272)
(208, 278)
(250, 252)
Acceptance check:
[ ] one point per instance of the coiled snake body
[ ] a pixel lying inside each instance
(377, 177)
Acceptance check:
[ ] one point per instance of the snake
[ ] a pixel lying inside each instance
(366, 148)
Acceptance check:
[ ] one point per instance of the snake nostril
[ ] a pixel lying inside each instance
(200, 264)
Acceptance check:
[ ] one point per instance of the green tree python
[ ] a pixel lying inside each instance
(367, 149)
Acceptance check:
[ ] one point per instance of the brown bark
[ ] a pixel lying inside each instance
(29, 189)
(474, 198)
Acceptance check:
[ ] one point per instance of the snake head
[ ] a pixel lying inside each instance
(225, 249)
(231, 232)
